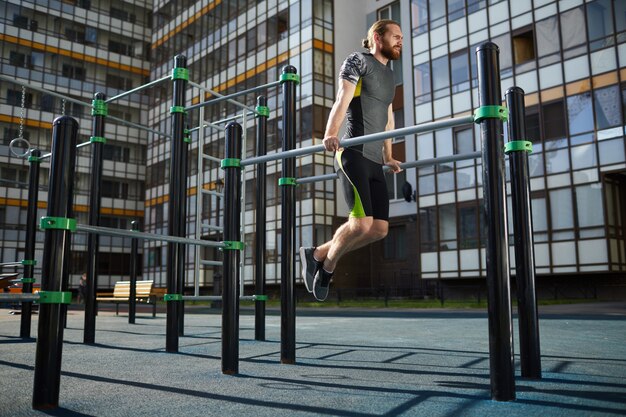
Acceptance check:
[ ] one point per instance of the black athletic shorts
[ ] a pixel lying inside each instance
(363, 183)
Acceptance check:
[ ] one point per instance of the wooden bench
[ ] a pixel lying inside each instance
(144, 293)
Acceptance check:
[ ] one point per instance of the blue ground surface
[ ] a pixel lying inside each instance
(349, 363)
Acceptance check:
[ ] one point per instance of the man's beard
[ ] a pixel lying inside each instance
(390, 52)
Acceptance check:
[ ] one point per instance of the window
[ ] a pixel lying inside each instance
(437, 13)
(456, 9)
(547, 37)
(18, 59)
(523, 47)
(76, 73)
(572, 21)
(422, 83)
(468, 227)
(607, 109)
(599, 23)
(14, 98)
(120, 48)
(47, 102)
(447, 227)
(428, 229)
(460, 71)
(74, 35)
(419, 16)
(579, 113)
(561, 211)
(20, 21)
(441, 77)
(533, 133)
(553, 120)
(394, 245)
(121, 83)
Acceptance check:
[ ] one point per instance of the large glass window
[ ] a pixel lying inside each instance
(547, 33)
(607, 110)
(460, 71)
(428, 229)
(553, 120)
(468, 227)
(456, 9)
(561, 212)
(589, 205)
(447, 226)
(419, 16)
(571, 23)
(441, 76)
(599, 23)
(437, 13)
(579, 113)
(422, 83)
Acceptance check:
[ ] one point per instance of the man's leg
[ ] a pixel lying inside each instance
(352, 235)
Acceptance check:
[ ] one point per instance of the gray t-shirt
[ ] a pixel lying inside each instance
(375, 89)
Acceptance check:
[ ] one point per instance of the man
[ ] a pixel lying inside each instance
(366, 91)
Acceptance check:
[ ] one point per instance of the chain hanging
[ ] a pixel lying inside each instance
(63, 107)
(20, 136)
(22, 110)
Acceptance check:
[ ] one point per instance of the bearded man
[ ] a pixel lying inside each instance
(366, 91)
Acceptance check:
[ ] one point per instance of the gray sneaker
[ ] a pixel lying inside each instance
(309, 267)
(321, 284)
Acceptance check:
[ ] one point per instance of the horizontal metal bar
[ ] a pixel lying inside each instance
(235, 117)
(141, 87)
(43, 90)
(404, 165)
(216, 94)
(147, 236)
(19, 297)
(8, 264)
(374, 137)
(214, 297)
(211, 158)
(211, 263)
(138, 126)
(211, 192)
(230, 96)
(211, 227)
(80, 145)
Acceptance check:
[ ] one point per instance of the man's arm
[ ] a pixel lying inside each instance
(337, 114)
(387, 144)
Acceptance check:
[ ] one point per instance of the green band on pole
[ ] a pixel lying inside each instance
(180, 74)
(286, 181)
(518, 146)
(99, 108)
(97, 139)
(230, 163)
(173, 297)
(262, 111)
(28, 280)
(57, 223)
(287, 76)
(55, 297)
(491, 112)
(233, 245)
(35, 159)
(177, 109)
(260, 297)
(29, 262)
(186, 136)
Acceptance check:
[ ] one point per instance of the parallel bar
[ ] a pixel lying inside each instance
(260, 219)
(288, 226)
(43, 90)
(232, 224)
(404, 165)
(211, 192)
(135, 125)
(502, 369)
(10, 264)
(93, 243)
(374, 137)
(24, 298)
(147, 236)
(530, 352)
(211, 263)
(215, 298)
(211, 158)
(211, 227)
(216, 94)
(55, 265)
(140, 88)
(31, 239)
(230, 96)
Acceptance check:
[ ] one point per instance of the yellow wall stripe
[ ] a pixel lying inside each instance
(73, 55)
(16, 202)
(27, 122)
(206, 9)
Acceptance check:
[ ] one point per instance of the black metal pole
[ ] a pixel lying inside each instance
(99, 113)
(288, 221)
(29, 261)
(261, 206)
(175, 251)
(494, 194)
(134, 261)
(55, 266)
(517, 149)
(233, 246)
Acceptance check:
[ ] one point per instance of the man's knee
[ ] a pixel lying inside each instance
(379, 229)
